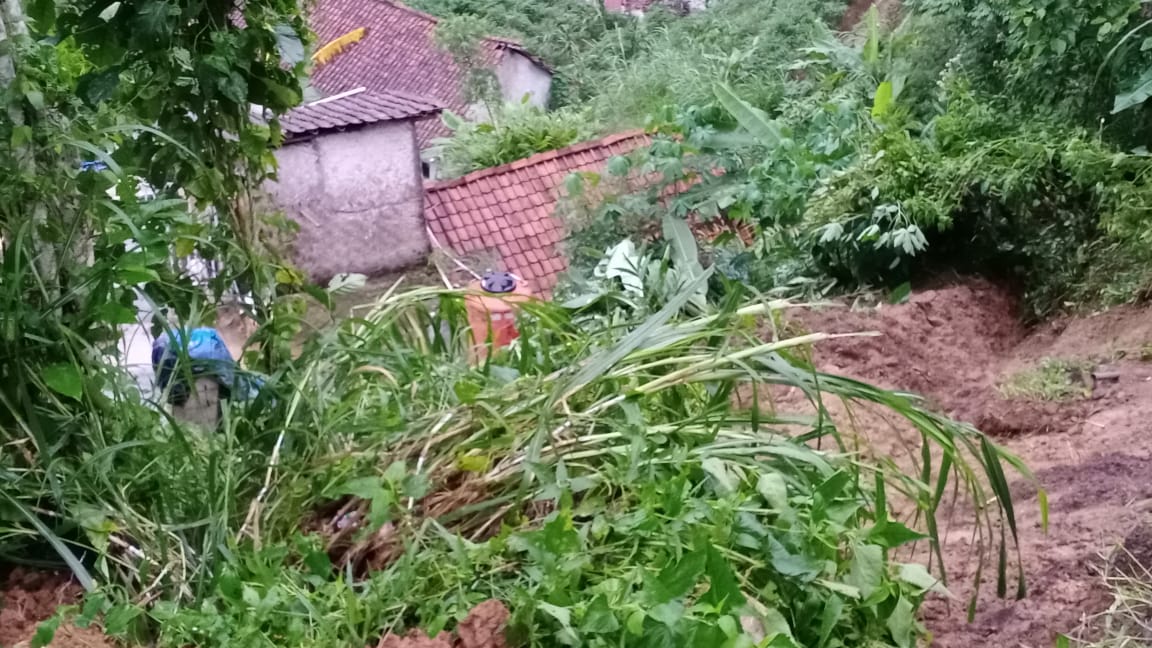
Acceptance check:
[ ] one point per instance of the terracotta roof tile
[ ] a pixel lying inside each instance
(397, 53)
(354, 108)
(510, 207)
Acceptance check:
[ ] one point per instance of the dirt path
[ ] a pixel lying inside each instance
(1093, 455)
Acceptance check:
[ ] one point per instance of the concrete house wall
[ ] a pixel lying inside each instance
(358, 198)
(519, 76)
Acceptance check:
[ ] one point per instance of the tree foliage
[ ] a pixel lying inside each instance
(132, 148)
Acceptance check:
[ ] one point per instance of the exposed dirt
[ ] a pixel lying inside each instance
(30, 597)
(483, 628)
(889, 11)
(1092, 456)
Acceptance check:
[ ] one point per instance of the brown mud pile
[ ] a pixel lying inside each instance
(483, 628)
(1093, 456)
(30, 597)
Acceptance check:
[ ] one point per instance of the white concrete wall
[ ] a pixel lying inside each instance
(519, 76)
(358, 197)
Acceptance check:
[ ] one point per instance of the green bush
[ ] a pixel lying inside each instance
(982, 192)
(515, 132)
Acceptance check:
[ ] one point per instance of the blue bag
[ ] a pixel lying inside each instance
(208, 356)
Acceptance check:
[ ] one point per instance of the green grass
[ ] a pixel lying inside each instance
(1052, 379)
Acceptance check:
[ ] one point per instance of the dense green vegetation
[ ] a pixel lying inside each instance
(999, 136)
(622, 475)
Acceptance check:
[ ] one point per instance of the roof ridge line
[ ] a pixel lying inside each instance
(336, 97)
(533, 160)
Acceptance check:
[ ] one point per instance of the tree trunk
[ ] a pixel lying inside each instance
(13, 27)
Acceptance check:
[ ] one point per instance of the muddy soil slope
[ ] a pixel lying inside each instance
(29, 597)
(1093, 455)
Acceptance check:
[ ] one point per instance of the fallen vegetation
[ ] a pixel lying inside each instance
(596, 479)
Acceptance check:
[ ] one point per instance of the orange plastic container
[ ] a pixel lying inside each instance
(492, 316)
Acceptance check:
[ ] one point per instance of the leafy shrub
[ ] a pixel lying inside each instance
(1031, 201)
(515, 132)
(1048, 58)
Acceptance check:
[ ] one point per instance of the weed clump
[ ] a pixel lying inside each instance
(1053, 379)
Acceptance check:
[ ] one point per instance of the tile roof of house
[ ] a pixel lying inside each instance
(628, 5)
(398, 52)
(509, 209)
(354, 108)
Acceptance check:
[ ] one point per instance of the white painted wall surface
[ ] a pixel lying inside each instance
(358, 197)
(519, 76)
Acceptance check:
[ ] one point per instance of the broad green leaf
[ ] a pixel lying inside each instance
(766, 131)
(114, 313)
(599, 618)
(867, 571)
(883, 101)
(682, 243)
(774, 490)
(98, 86)
(871, 53)
(93, 606)
(840, 588)
(65, 379)
(362, 487)
(775, 624)
(833, 609)
(1136, 95)
(724, 589)
(251, 596)
(917, 576)
(790, 564)
(722, 477)
(680, 578)
(900, 294)
(635, 623)
(109, 12)
(42, 13)
(669, 613)
(118, 619)
(45, 632)
(574, 185)
(891, 534)
(288, 42)
(619, 166)
(562, 614)
(902, 624)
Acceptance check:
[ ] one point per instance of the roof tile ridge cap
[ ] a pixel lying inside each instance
(533, 160)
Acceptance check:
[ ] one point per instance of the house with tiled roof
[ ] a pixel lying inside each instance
(507, 213)
(397, 51)
(349, 175)
(640, 7)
